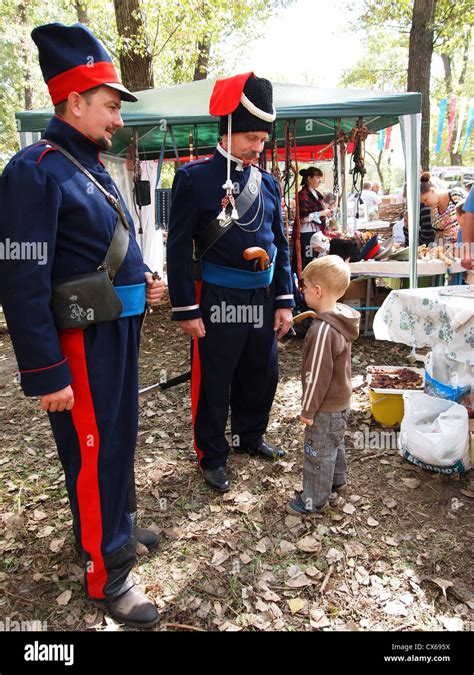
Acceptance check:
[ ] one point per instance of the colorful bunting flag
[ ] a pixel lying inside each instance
(470, 121)
(443, 104)
(452, 115)
(462, 115)
(381, 139)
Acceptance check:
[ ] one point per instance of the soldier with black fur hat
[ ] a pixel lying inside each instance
(228, 212)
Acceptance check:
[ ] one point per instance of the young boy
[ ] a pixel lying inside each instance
(326, 378)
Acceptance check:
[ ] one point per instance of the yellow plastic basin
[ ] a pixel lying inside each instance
(387, 409)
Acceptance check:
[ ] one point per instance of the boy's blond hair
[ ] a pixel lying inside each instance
(330, 272)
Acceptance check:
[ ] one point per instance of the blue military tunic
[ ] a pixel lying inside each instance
(46, 200)
(236, 363)
(197, 195)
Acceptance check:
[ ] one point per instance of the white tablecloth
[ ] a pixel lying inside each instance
(401, 268)
(424, 317)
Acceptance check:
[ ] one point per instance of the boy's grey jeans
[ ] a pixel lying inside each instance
(324, 458)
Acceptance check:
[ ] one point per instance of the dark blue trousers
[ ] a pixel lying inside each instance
(235, 365)
(96, 444)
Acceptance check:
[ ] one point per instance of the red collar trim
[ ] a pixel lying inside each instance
(82, 134)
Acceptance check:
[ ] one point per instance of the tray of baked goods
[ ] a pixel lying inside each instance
(395, 379)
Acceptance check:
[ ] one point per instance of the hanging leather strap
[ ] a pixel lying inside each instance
(119, 245)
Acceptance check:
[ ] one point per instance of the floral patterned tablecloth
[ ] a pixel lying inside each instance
(424, 317)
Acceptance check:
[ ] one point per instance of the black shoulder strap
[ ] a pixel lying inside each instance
(113, 201)
(211, 235)
(119, 245)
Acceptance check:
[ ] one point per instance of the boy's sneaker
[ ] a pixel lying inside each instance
(340, 489)
(335, 499)
(297, 508)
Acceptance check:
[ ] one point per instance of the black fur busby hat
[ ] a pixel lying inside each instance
(347, 249)
(248, 98)
(259, 93)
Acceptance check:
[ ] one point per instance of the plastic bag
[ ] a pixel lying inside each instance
(446, 377)
(447, 391)
(434, 433)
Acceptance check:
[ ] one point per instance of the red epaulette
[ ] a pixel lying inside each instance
(195, 162)
(28, 149)
(47, 148)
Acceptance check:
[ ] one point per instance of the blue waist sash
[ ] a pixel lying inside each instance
(133, 299)
(230, 277)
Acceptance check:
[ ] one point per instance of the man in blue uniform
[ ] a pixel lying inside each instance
(237, 305)
(87, 378)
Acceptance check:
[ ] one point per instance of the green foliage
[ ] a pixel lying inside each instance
(182, 29)
(18, 61)
(452, 20)
(386, 24)
(384, 65)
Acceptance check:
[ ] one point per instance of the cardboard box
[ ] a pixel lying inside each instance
(357, 291)
(381, 295)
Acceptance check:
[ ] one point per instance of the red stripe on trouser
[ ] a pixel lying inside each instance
(88, 496)
(196, 378)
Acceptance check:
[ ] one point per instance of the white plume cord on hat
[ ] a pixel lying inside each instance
(253, 110)
(228, 185)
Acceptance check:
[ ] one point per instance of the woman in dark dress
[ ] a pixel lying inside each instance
(313, 210)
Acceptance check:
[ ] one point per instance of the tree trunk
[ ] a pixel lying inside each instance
(177, 69)
(378, 166)
(465, 59)
(419, 66)
(136, 58)
(202, 64)
(81, 11)
(455, 157)
(27, 57)
(448, 74)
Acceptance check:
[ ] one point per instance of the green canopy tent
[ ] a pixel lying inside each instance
(163, 120)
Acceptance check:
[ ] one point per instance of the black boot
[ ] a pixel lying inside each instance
(263, 450)
(133, 607)
(124, 601)
(143, 535)
(148, 538)
(217, 479)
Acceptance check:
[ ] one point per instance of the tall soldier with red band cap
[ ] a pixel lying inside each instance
(73, 59)
(87, 378)
(234, 305)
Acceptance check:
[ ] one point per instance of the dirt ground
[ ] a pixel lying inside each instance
(394, 554)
